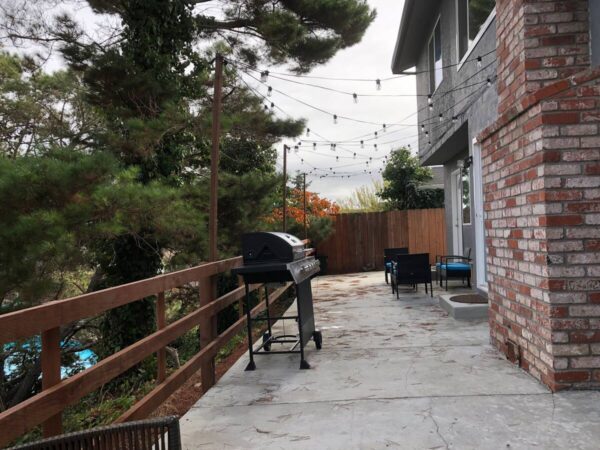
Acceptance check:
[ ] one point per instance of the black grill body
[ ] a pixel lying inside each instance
(279, 257)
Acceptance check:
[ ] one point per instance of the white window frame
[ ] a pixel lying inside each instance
(432, 57)
(481, 32)
(479, 216)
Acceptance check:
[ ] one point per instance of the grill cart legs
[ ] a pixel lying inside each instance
(304, 319)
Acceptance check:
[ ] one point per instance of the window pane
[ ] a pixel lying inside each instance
(438, 55)
(479, 11)
(466, 197)
(432, 84)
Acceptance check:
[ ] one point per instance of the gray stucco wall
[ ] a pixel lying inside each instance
(475, 104)
(595, 30)
(470, 78)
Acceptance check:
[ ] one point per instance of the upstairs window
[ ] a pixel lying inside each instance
(472, 15)
(435, 58)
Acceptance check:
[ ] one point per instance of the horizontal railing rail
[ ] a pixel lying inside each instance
(46, 407)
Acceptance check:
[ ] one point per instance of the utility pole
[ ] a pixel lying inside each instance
(208, 286)
(214, 158)
(304, 197)
(285, 149)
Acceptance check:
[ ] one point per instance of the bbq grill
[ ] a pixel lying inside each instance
(271, 257)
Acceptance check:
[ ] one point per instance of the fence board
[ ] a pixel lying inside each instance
(358, 239)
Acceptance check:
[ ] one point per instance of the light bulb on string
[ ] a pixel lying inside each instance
(355, 97)
(355, 156)
(302, 161)
(266, 107)
(378, 84)
(422, 127)
(264, 76)
(376, 135)
(296, 149)
(269, 91)
(375, 146)
(272, 105)
(337, 158)
(384, 127)
(489, 82)
(335, 121)
(299, 143)
(431, 107)
(429, 99)
(331, 147)
(362, 144)
(441, 117)
(334, 147)
(314, 146)
(454, 119)
(479, 61)
(427, 133)
(308, 132)
(289, 149)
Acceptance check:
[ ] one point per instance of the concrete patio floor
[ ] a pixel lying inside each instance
(391, 374)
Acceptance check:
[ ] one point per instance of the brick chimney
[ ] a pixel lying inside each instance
(538, 43)
(541, 175)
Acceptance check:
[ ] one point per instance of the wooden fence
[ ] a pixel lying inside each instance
(47, 406)
(359, 239)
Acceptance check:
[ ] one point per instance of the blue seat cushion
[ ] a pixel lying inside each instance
(455, 267)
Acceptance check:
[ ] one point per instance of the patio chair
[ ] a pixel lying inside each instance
(151, 434)
(453, 266)
(388, 258)
(412, 270)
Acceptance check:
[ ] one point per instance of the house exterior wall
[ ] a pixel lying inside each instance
(541, 175)
(464, 93)
(595, 31)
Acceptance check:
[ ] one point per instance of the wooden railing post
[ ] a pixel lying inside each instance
(240, 281)
(161, 322)
(208, 330)
(51, 375)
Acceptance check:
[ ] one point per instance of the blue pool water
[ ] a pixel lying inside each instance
(87, 358)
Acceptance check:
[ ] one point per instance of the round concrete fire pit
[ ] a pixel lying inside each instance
(464, 306)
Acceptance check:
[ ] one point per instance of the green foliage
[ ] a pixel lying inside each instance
(403, 177)
(364, 199)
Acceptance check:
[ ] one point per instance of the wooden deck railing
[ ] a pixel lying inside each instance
(47, 406)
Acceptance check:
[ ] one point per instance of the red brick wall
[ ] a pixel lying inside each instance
(541, 174)
(542, 41)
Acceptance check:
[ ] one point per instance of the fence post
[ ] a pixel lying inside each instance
(51, 375)
(161, 322)
(240, 281)
(208, 330)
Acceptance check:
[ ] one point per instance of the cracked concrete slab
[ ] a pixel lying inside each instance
(391, 374)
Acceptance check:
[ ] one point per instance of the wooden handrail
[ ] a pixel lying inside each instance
(47, 406)
(27, 322)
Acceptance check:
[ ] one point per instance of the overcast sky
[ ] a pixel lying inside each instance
(370, 59)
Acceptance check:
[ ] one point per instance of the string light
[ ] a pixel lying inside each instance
(335, 121)
(422, 127)
(378, 84)
(376, 135)
(454, 119)
(375, 145)
(314, 146)
(264, 76)
(355, 156)
(429, 99)
(362, 145)
(441, 117)
(489, 82)
(355, 97)
(266, 107)
(431, 106)
(296, 149)
(269, 91)
(384, 127)
(272, 105)
(308, 132)
(479, 61)
(427, 133)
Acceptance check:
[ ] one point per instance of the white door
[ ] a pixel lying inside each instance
(480, 250)
(456, 187)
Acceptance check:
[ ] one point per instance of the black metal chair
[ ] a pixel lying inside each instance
(388, 259)
(453, 266)
(412, 270)
(151, 434)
